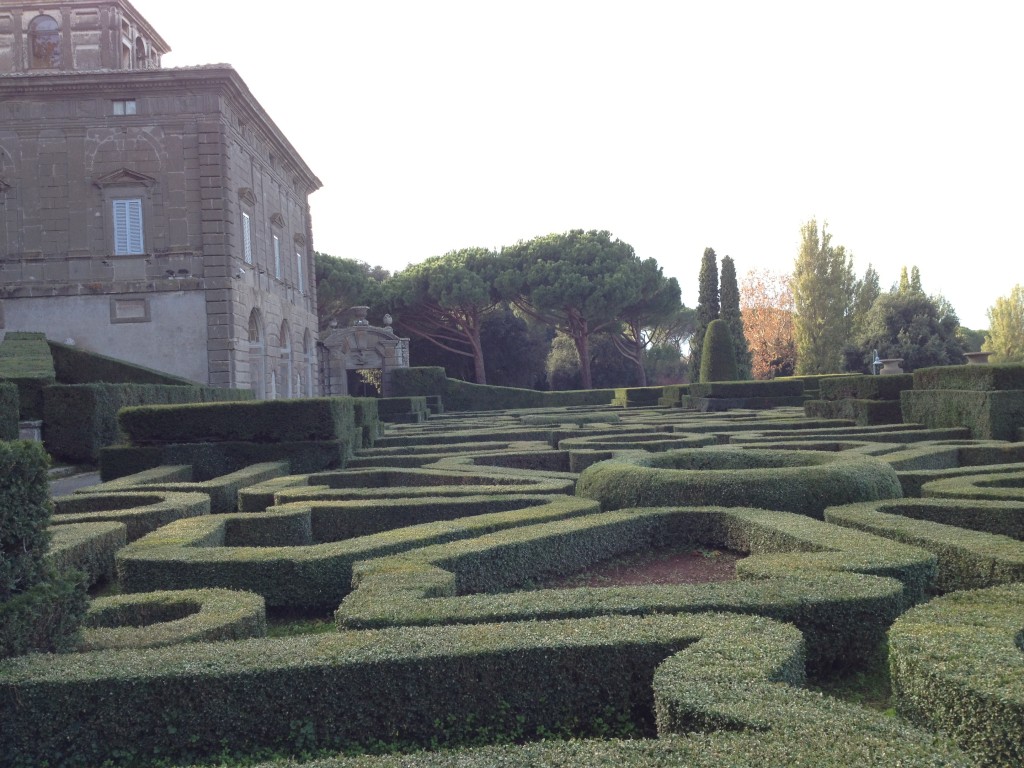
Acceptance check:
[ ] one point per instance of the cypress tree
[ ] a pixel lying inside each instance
(730, 299)
(718, 363)
(708, 308)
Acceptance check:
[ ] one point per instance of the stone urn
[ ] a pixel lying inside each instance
(977, 358)
(891, 365)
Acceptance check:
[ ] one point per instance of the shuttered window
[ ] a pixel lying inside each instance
(128, 227)
(246, 238)
(298, 268)
(277, 257)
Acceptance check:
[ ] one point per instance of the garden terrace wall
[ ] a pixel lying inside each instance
(298, 573)
(80, 419)
(25, 361)
(531, 679)
(987, 553)
(956, 666)
(843, 616)
(156, 619)
(795, 481)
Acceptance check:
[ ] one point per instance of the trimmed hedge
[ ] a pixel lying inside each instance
(82, 418)
(808, 563)
(140, 510)
(990, 553)
(865, 387)
(637, 397)
(913, 481)
(860, 412)
(40, 606)
(157, 619)
(87, 547)
(794, 481)
(718, 355)
(463, 396)
(270, 421)
(222, 491)
(9, 411)
(529, 679)
(989, 415)
(956, 666)
(25, 361)
(744, 389)
(980, 378)
(989, 486)
(200, 551)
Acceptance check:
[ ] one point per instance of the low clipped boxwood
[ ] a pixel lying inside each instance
(273, 553)
(747, 389)
(865, 387)
(1004, 486)
(89, 548)
(814, 575)
(795, 481)
(140, 511)
(675, 674)
(155, 619)
(956, 666)
(977, 543)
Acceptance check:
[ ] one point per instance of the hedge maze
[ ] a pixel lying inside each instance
(420, 551)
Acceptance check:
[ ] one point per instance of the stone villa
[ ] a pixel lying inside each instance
(154, 215)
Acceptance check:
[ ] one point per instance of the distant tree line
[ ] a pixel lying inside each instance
(573, 310)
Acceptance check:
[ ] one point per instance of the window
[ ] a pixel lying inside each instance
(246, 239)
(128, 227)
(298, 271)
(277, 257)
(44, 42)
(124, 106)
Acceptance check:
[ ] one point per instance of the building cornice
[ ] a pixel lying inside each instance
(214, 77)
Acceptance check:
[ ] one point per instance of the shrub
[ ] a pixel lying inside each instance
(718, 359)
(78, 366)
(25, 361)
(87, 547)
(979, 378)
(956, 666)
(843, 618)
(989, 415)
(40, 607)
(82, 418)
(795, 481)
(140, 510)
(9, 411)
(157, 619)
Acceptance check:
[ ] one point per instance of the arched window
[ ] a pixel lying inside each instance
(287, 380)
(140, 53)
(257, 356)
(44, 42)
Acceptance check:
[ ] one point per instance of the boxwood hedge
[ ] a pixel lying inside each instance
(528, 679)
(140, 511)
(89, 548)
(296, 572)
(155, 619)
(957, 666)
(809, 565)
(989, 486)
(796, 481)
(967, 559)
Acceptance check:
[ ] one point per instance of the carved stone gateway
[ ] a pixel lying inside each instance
(362, 346)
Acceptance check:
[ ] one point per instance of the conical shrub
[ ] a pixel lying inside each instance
(718, 358)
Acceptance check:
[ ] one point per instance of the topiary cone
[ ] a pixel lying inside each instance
(718, 358)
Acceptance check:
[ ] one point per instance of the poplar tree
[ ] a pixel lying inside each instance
(730, 301)
(824, 289)
(1005, 337)
(708, 308)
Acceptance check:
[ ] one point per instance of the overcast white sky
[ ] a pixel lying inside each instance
(436, 125)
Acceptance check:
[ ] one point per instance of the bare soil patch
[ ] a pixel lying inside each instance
(671, 565)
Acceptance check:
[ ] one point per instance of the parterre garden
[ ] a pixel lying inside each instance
(423, 541)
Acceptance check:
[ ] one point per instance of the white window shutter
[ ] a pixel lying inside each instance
(128, 227)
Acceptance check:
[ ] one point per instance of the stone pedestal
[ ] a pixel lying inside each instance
(891, 365)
